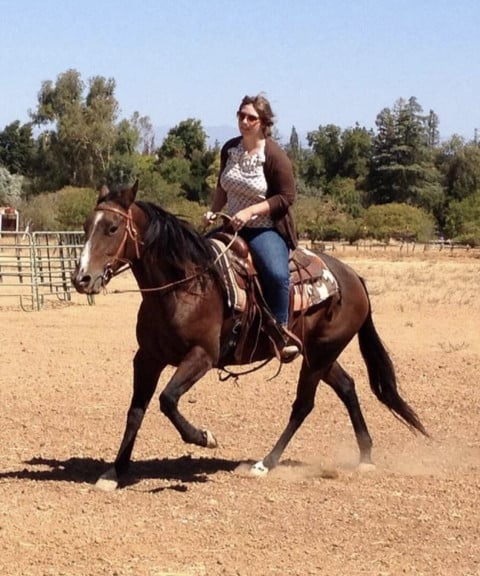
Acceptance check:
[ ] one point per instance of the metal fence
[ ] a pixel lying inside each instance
(36, 266)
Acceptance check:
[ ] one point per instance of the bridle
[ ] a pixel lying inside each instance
(130, 232)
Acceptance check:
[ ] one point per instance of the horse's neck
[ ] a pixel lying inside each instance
(148, 279)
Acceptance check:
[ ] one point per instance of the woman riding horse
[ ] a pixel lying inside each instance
(183, 321)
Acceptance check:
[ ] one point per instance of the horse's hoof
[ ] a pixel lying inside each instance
(366, 467)
(259, 469)
(108, 482)
(211, 440)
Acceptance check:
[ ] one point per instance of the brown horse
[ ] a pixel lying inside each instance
(184, 321)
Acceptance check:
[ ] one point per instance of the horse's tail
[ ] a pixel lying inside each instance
(381, 374)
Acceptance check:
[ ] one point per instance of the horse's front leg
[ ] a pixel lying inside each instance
(301, 408)
(195, 364)
(146, 372)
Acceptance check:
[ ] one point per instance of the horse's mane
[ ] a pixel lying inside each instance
(176, 242)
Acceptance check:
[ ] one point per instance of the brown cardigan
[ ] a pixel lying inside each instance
(281, 189)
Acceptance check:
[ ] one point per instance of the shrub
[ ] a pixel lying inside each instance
(463, 221)
(62, 210)
(401, 221)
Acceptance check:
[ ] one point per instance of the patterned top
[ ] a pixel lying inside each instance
(244, 182)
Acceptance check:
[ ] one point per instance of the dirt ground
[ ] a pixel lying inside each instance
(65, 385)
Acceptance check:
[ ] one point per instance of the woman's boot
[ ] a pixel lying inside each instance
(287, 345)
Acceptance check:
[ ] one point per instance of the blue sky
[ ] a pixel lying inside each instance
(319, 61)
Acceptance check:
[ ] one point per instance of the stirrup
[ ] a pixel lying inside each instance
(291, 345)
(285, 344)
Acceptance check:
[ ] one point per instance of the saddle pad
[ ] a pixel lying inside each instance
(316, 285)
(314, 291)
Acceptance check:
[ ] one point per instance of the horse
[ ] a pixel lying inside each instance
(183, 321)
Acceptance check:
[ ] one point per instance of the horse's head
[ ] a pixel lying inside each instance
(110, 240)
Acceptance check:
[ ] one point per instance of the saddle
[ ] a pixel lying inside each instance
(311, 283)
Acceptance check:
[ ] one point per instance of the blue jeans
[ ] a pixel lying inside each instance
(270, 256)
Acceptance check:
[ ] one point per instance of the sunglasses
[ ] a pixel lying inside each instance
(250, 118)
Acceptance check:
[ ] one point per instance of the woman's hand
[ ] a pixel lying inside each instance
(242, 218)
(208, 218)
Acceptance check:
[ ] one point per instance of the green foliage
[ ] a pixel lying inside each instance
(175, 169)
(319, 219)
(402, 163)
(399, 221)
(352, 229)
(183, 158)
(463, 222)
(356, 146)
(62, 210)
(10, 187)
(183, 140)
(82, 145)
(17, 148)
(344, 193)
(39, 213)
(338, 174)
(326, 145)
(460, 165)
(190, 211)
(73, 206)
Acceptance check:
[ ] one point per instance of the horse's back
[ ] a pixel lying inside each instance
(352, 306)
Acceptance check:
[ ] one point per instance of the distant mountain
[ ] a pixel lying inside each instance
(220, 134)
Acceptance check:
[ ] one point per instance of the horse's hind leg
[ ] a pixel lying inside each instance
(145, 377)
(344, 386)
(301, 408)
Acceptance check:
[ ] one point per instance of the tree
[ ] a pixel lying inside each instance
(355, 153)
(326, 147)
(399, 221)
(17, 148)
(124, 163)
(460, 164)
(183, 140)
(346, 195)
(80, 129)
(463, 220)
(183, 157)
(144, 127)
(10, 187)
(294, 148)
(402, 165)
(319, 219)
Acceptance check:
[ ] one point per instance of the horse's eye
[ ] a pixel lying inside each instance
(113, 228)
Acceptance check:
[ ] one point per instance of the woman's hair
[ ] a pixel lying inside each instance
(264, 111)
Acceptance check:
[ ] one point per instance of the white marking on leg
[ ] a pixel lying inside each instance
(108, 481)
(211, 440)
(366, 467)
(259, 469)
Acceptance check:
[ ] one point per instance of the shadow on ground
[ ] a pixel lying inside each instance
(184, 470)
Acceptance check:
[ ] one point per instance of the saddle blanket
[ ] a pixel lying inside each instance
(311, 281)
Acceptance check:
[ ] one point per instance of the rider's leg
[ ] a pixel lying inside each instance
(270, 255)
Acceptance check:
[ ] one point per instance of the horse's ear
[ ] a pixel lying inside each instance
(129, 194)
(135, 189)
(102, 193)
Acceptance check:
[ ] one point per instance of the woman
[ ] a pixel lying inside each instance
(257, 186)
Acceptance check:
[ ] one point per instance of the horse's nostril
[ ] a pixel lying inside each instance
(81, 281)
